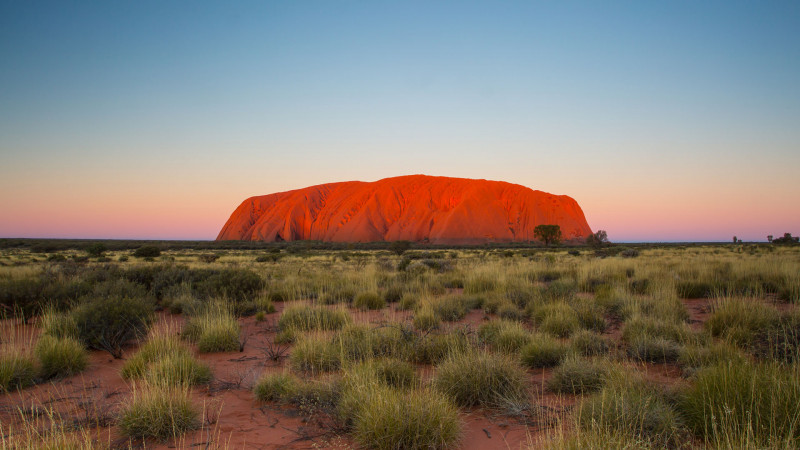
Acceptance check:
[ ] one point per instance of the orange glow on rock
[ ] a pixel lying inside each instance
(439, 210)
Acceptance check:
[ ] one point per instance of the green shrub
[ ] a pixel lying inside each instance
(308, 318)
(234, 284)
(481, 378)
(745, 402)
(109, 323)
(369, 300)
(273, 387)
(543, 351)
(60, 357)
(17, 371)
(578, 376)
(159, 412)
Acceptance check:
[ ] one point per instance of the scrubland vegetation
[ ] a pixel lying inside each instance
(397, 347)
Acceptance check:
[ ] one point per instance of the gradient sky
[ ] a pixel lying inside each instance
(666, 121)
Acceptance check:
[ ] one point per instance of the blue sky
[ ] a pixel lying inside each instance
(664, 120)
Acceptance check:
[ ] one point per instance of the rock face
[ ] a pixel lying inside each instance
(438, 210)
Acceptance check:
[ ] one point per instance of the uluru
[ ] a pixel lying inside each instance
(421, 208)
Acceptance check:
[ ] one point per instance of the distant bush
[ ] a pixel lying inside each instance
(96, 249)
(147, 251)
(109, 323)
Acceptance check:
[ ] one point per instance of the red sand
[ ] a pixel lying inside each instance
(416, 208)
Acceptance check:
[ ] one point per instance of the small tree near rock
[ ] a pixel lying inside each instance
(549, 234)
(598, 239)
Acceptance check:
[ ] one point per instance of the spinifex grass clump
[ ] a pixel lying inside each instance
(504, 335)
(543, 351)
(431, 348)
(60, 357)
(741, 320)
(557, 319)
(159, 411)
(589, 343)
(481, 378)
(273, 387)
(163, 359)
(309, 318)
(58, 324)
(214, 330)
(578, 376)
(738, 405)
(425, 319)
(369, 300)
(316, 353)
(632, 408)
(385, 417)
(17, 370)
(450, 308)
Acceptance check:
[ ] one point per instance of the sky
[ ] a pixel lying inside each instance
(665, 121)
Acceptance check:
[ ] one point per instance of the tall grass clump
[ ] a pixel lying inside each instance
(309, 318)
(159, 411)
(369, 300)
(273, 387)
(58, 324)
(481, 378)
(418, 418)
(17, 370)
(736, 405)
(316, 353)
(386, 417)
(632, 408)
(741, 320)
(214, 330)
(164, 359)
(60, 357)
(432, 348)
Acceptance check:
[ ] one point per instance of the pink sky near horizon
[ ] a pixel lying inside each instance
(154, 120)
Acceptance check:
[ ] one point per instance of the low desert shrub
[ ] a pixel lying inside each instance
(60, 357)
(481, 378)
(110, 323)
(160, 412)
(147, 251)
